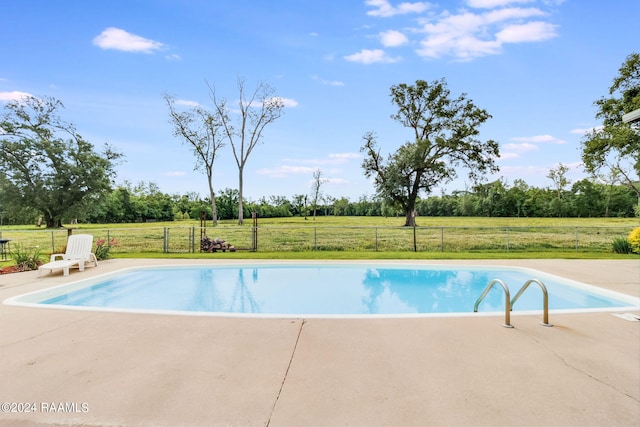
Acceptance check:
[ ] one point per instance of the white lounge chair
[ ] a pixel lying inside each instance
(78, 253)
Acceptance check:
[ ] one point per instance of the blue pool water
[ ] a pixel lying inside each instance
(323, 290)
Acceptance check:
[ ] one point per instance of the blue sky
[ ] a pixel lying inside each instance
(535, 65)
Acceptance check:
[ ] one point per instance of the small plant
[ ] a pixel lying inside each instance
(622, 246)
(103, 248)
(24, 259)
(634, 240)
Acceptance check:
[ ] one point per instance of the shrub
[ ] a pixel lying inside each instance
(103, 248)
(622, 246)
(24, 259)
(634, 240)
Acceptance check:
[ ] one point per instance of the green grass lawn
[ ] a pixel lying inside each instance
(330, 237)
(368, 221)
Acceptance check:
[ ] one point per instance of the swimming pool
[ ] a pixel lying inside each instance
(321, 290)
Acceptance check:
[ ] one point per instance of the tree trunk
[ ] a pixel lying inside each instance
(240, 207)
(214, 207)
(52, 222)
(410, 219)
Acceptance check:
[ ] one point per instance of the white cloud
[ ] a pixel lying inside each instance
(309, 166)
(524, 147)
(384, 9)
(488, 4)
(187, 103)
(173, 57)
(482, 29)
(174, 173)
(343, 157)
(467, 35)
(284, 171)
(393, 38)
(286, 102)
(333, 159)
(501, 15)
(337, 181)
(13, 96)
(586, 131)
(573, 166)
(513, 151)
(523, 172)
(118, 39)
(529, 32)
(328, 82)
(370, 56)
(539, 139)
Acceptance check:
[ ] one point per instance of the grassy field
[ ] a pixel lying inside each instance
(367, 221)
(352, 238)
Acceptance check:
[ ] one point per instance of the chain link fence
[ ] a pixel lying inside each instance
(331, 238)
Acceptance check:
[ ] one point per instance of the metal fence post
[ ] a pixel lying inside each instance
(165, 240)
(315, 238)
(376, 239)
(254, 232)
(442, 239)
(507, 235)
(415, 244)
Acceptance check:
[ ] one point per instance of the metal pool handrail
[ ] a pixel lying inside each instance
(545, 300)
(507, 301)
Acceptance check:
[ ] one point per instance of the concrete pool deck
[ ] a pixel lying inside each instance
(113, 369)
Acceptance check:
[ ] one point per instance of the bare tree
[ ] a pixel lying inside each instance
(315, 188)
(202, 130)
(255, 111)
(558, 176)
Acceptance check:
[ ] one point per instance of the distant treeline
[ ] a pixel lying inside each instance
(145, 202)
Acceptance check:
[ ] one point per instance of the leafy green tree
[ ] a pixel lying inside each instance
(466, 202)
(49, 167)
(587, 199)
(300, 205)
(11, 210)
(514, 199)
(282, 206)
(184, 203)
(616, 146)
(622, 201)
(445, 137)
(342, 207)
(228, 201)
(152, 204)
(490, 199)
(559, 177)
(198, 207)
